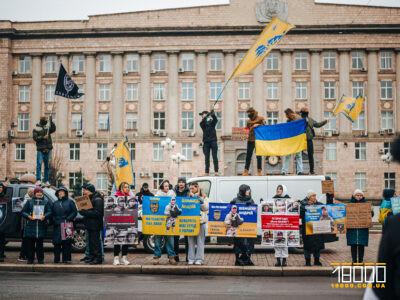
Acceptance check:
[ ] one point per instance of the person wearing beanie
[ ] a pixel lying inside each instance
(208, 122)
(385, 210)
(181, 190)
(93, 220)
(63, 210)
(35, 229)
(314, 243)
(144, 191)
(253, 122)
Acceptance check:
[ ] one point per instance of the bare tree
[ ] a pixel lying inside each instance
(110, 175)
(55, 177)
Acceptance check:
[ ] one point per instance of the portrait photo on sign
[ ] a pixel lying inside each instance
(267, 207)
(268, 238)
(279, 238)
(293, 238)
(232, 221)
(16, 205)
(38, 211)
(280, 206)
(292, 207)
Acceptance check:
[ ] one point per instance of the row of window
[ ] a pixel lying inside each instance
(360, 150)
(215, 62)
(360, 180)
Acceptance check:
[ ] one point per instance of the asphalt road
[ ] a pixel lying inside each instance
(98, 286)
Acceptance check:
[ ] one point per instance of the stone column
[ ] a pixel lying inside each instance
(89, 115)
(228, 96)
(117, 107)
(397, 92)
(258, 94)
(287, 99)
(144, 117)
(372, 95)
(201, 87)
(344, 88)
(316, 101)
(173, 94)
(36, 106)
(62, 111)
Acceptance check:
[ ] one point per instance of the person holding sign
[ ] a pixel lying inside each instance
(36, 211)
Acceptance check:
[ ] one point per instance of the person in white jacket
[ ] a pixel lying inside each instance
(197, 257)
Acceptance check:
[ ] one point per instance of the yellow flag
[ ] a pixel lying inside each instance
(349, 106)
(267, 40)
(123, 164)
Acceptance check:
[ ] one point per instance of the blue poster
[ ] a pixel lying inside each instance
(326, 219)
(395, 205)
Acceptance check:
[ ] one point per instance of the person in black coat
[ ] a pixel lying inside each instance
(181, 190)
(93, 220)
(2, 234)
(64, 210)
(243, 247)
(144, 191)
(207, 124)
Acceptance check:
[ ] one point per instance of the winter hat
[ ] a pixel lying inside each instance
(145, 185)
(90, 188)
(37, 190)
(358, 191)
(63, 188)
(182, 179)
(311, 193)
(388, 193)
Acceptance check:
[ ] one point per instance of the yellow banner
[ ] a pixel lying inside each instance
(123, 164)
(349, 106)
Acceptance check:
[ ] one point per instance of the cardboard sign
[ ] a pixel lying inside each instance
(358, 215)
(83, 203)
(328, 187)
(240, 134)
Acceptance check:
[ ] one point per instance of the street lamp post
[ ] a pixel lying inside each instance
(168, 144)
(178, 158)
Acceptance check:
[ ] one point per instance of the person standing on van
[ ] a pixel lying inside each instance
(281, 251)
(181, 190)
(243, 247)
(313, 243)
(207, 124)
(253, 122)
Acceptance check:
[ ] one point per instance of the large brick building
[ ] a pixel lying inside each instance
(148, 74)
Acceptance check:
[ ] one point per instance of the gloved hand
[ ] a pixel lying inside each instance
(248, 203)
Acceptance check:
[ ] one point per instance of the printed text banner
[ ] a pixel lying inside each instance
(325, 219)
(280, 222)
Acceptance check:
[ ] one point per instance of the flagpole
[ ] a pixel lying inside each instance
(220, 93)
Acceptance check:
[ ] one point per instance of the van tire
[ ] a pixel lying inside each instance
(296, 250)
(148, 243)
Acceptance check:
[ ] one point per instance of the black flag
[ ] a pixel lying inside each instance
(66, 87)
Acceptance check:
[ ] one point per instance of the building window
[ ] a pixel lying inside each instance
(18, 175)
(24, 65)
(102, 181)
(187, 151)
(187, 120)
(187, 176)
(332, 124)
(132, 62)
(101, 151)
(357, 60)
(218, 114)
(81, 90)
(188, 62)
(242, 118)
(78, 63)
(159, 62)
(131, 121)
(329, 90)
(158, 152)
(272, 90)
(360, 181)
(104, 121)
(73, 179)
(131, 91)
(360, 151)
(358, 88)
(333, 177)
(157, 179)
(51, 64)
(331, 150)
(215, 89)
(20, 152)
(240, 163)
(187, 91)
(244, 90)
(49, 93)
(159, 121)
(359, 123)
(390, 180)
(240, 57)
(386, 90)
(386, 120)
(301, 90)
(105, 63)
(104, 92)
(24, 93)
(215, 62)
(386, 60)
(329, 60)
(74, 151)
(23, 122)
(219, 148)
(386, 147)
(132, 150)
(272, 117)
(76, 122)
(272, 61)
(159, 91)
(300, 61)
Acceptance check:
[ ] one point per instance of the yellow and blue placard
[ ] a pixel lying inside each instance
(321, 219)
(281, 139)
(123, 164)
(155, 219)
(226, 220)
(349, 106)
(395, 201)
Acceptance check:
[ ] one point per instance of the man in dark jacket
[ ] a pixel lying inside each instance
(3, 214)
(144, 191)
(207, 124)
(42, 136)
(181, 190)
(93, 220)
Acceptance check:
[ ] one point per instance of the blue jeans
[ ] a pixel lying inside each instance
(299, 163)
(169, 243)
(42, 157)
(87, 249)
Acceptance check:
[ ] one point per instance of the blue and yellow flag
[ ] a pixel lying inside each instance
(349, 106)
(267, 40)
(281, 139)
(123, 164)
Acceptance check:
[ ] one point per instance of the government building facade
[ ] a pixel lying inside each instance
(147, 75)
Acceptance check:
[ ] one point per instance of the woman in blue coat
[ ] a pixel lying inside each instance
(357, 238)
(35, 229)
(64, 210)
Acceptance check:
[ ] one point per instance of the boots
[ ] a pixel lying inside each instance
(308, 262)
(245, 173)
(247, 260)
(317, 262)
(125, 261)
(238, 261)
(284, 264)
(156, 260)
(116, 261)
(278, 262)
(259, 172)
(172, 260)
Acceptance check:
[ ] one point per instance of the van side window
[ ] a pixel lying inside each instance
(22, 192)
(205, 186)
(9, 192)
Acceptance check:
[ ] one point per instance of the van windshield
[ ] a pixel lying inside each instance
(205, 186)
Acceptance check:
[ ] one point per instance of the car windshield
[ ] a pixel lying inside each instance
(50, 192)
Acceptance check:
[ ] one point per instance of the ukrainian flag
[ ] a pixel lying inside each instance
(123, 164)
(281, 139)
(267, 40)
(349, 106)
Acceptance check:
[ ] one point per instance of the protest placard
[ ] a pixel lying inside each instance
(38, 212)
(395, 205)
(328, 187)
(325, 219)
(240, 134)
(83, 203)
(358, 215)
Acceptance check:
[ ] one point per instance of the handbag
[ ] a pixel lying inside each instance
(67, 228)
